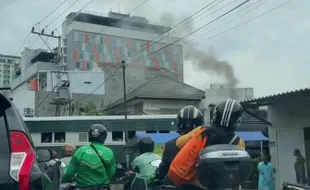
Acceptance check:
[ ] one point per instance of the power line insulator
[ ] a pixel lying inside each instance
(42, 32)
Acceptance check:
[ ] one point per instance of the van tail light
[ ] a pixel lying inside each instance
(22, 159)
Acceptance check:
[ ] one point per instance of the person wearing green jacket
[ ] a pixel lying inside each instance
(143, 164)
(92, 166)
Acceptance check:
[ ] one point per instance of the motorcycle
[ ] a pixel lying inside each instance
(140, 183)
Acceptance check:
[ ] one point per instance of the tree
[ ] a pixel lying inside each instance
(88, 108)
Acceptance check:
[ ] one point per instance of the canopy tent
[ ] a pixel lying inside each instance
(161, 138)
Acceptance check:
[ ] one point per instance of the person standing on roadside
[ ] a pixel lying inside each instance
(266, 171)
(300, 168)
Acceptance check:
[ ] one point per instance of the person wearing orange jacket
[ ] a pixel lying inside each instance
(227, 117)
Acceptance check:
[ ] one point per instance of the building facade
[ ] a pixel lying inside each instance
(93, 48)
(8, 65)
(97, 41)
(34, 85)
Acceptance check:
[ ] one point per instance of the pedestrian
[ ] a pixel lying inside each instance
(300, 168)
(266, 171)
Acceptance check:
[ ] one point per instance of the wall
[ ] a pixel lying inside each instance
(23, 98)
(47, 109)
(288, 118)
(88, 82)
(216, 94)
(154, 107)
(72, 137)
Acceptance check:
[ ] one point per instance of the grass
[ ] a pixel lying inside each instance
(159, 149)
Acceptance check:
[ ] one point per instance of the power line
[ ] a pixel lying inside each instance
(23, 43)
(76, 13)
(61, 13)
(254, 18)
(178, 39)
(151, 41)
(237, 15)
(112, 73)
(163, 34)
(51, 13)
(198, 29)
(38, 23)
(208, 14)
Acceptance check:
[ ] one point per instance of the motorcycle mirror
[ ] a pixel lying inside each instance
(119, 166)
(156, 163)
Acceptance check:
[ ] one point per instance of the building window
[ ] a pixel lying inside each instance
(83, 137)
(46, 137)
(78, 65)
(11, 61)
(117, 136)
(150, 131)
(60, 137)
(88, 66)
(81, 55)
(163, 131)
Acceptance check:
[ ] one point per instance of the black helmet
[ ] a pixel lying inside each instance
(189, 117)
(97, 133)
(146, 144)
(227, 114)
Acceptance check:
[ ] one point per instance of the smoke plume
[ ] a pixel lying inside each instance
(203, 61)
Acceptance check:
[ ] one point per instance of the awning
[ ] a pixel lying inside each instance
(251, 136)
(161, 138)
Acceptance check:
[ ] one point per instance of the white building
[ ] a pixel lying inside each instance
(289, 129)
(107, 40)
(218, 92)
(32, 89)
(8, 65)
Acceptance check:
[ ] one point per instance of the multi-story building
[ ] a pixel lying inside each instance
(8, 65)
(34, 84)
(106, 41)
(93, 47)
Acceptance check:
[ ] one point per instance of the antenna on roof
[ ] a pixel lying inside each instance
(119, 7)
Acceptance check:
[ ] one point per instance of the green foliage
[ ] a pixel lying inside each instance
(87, 109)
(254, 174)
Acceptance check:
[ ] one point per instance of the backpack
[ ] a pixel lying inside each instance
(182, 169)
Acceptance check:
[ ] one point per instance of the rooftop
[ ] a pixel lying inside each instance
(164, 88)
(267, 99)
(10, 56)
(113, 20)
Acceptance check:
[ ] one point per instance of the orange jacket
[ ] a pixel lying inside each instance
(182, 140)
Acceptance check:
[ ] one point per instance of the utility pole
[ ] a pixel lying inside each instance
(61, 90)
(127, 151)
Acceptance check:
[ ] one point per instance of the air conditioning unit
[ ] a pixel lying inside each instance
(28, 112)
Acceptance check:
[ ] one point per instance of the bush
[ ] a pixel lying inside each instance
(252, 182)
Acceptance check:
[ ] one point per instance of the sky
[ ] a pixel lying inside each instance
(269, 54)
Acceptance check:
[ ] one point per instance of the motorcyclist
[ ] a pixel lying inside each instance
(68, 150)
(188, 118)
(227, 116)
(93, 164)
(143, 163)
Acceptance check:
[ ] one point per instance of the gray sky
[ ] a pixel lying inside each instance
(270, 54)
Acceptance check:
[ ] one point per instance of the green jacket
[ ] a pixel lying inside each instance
(88, 167)
(142, 163)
